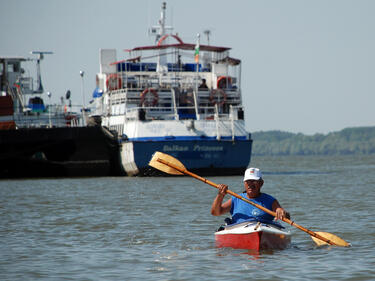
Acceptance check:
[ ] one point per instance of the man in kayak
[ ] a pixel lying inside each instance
(243, 211)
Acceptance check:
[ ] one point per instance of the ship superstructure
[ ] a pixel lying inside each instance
(180, 98)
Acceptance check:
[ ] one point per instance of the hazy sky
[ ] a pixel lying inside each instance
(307, 66)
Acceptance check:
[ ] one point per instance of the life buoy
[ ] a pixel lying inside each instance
(224, 82)
(154, 100)
(215, 99)
(69, 119)
(113, 82)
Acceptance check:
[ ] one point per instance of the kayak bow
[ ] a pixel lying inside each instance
(253, 236)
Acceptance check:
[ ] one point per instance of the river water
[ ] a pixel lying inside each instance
(124, 228)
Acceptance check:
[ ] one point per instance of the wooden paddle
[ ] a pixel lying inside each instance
(171, 165)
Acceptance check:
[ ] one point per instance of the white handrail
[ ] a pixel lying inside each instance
(231, 120)
(218, 136)
(174, 104)
(196, 105)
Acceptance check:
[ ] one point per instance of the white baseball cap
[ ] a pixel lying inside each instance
(252, 174)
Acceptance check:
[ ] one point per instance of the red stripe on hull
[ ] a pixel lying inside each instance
(253, 241)
(249, 241)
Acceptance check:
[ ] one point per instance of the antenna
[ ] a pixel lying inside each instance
(161, 29)
(39, 76)
(207, 32)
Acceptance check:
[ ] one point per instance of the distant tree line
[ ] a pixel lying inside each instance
(359, 140)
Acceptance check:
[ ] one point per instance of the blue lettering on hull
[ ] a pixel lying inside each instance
(198, 155)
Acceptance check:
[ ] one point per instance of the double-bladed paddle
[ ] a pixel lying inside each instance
(170, 165)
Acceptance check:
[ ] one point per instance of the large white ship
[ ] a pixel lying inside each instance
(179, 98)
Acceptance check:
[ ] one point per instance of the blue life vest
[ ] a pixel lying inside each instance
(243, 211)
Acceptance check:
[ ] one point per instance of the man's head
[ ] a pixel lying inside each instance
(252, 174)
(253, 181)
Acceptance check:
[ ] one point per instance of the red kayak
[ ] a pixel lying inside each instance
(253, 236)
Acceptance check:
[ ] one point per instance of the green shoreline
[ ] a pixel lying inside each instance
(349, 141)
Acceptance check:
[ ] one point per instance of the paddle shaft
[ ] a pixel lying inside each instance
(186, 172)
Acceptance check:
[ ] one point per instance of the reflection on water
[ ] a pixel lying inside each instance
(161, 228)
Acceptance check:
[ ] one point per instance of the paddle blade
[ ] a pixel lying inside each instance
(335, 239)
(163, 167)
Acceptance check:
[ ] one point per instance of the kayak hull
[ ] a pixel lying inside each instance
(253, 236)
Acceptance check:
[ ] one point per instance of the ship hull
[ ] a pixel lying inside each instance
(206, 157)
(58, 152)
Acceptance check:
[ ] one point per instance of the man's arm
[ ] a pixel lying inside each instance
(218, 207)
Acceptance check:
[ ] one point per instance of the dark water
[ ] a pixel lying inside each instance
(161, 228)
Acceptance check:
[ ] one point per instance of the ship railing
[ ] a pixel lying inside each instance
(188, 113)
(219, 118)
(235, 113)
(136, 84)
(170, 101)
(149, 113)
(232, 95)
(144, 113)
(56, 115)
(143, 80)
(17, 96)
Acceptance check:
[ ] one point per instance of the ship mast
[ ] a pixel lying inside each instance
(162, 20)
(40, 89)
(160, 31)
(162, 59)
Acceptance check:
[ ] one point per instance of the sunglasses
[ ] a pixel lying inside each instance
(251, 183)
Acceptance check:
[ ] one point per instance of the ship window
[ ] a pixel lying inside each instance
(13, 67)
(10, 67)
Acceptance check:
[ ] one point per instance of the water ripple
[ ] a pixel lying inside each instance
(161, 228)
